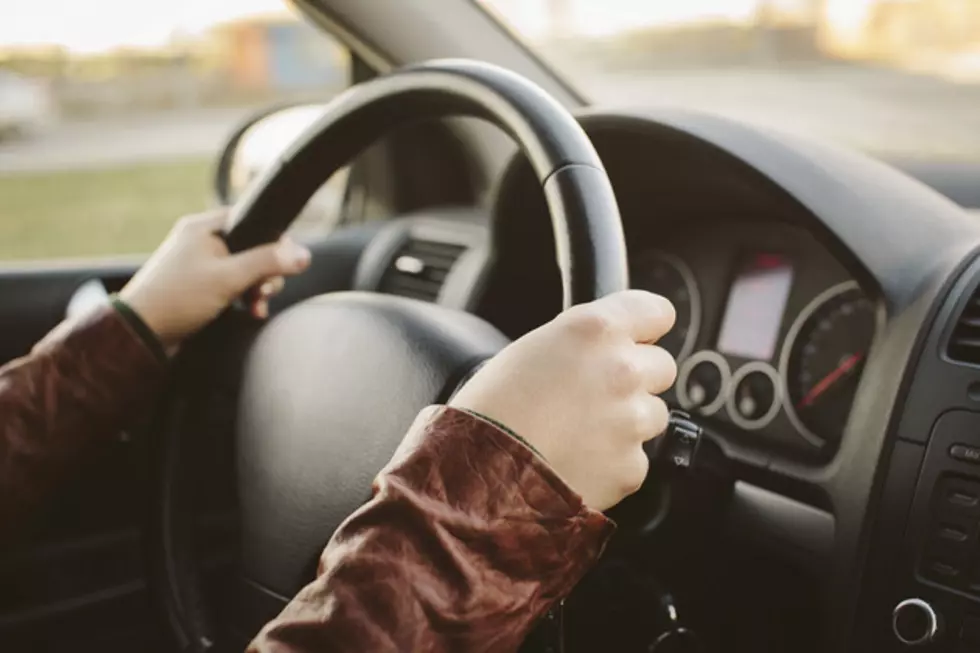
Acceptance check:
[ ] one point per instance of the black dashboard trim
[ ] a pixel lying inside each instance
(899, 239)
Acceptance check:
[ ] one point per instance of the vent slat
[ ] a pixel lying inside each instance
(420, 268)
(964, 343)
(416, 285)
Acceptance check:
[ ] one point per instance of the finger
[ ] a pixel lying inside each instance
(645, 418)
(634, 472)
(272, 287)
(259, 309)
(645, 316)
(657, 368)
(657, 414)
(208, 221)
(251, 267)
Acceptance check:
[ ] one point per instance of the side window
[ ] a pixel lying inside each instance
(108, 135)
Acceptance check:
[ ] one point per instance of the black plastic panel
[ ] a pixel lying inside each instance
(941, 384)
(934, 554)
(943, 538)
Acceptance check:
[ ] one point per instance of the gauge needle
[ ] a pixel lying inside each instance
(830, 379)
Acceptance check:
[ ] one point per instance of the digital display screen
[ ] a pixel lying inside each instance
(756, 303)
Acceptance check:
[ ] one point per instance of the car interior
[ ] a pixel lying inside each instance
(827, 339)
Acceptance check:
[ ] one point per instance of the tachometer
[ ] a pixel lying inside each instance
(670, 277)
(823, 359)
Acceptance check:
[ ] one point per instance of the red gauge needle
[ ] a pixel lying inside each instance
(830, 379)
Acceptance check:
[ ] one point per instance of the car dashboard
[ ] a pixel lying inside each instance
(771, 331)
(773, 321)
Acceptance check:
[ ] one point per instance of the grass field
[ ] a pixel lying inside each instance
(90, 213)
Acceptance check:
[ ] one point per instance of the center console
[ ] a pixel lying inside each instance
(922, 583)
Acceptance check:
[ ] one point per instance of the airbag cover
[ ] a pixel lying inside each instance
(330, 387)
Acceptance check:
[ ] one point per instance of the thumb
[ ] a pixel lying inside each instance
(283, 258)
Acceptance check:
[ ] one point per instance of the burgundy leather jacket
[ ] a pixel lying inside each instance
(487, 537)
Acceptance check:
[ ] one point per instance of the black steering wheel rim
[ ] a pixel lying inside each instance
(591, 254)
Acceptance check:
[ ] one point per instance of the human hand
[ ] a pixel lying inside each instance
(580, 389)
(192, 277)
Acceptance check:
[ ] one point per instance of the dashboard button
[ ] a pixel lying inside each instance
(942, 571)
(959, 496)
(951, 540)
(915, 623)
(952, 534)
(965, 453)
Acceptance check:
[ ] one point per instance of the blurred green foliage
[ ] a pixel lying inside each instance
(98, 212)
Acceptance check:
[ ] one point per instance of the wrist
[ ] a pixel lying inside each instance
(142, 329)
(154, 322)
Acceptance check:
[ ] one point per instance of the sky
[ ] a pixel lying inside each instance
(603, 17)
(95, 25)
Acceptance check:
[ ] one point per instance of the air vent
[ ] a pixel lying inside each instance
(419, 269)
(964, 344)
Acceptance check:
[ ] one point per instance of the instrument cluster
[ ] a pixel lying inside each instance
(771, 332)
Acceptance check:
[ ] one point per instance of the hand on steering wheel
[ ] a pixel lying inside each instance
(192, 277)
(581, 389)
(328, 388)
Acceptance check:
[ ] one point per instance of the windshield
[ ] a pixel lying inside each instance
(113, 114)
(898, 78)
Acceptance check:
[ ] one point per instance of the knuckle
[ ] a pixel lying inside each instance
(671, 374)
(588, 322)
(640, 297)
(624, 373)
(643, 299)
(642, 420)
(659, 415)
(647, 418)
(666, 365)
(655, 308)
(667, 311)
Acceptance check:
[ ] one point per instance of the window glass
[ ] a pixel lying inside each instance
(899, 78)
(113, 114)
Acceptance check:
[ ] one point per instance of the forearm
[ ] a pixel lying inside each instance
(79, 385)
(450, 554)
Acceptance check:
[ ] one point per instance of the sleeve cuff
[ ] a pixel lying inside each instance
(504, 428)
(142, 330)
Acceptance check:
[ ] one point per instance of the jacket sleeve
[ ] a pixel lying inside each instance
(469, 538)
(81, 384)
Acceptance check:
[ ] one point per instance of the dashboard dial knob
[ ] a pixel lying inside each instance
(915, 623)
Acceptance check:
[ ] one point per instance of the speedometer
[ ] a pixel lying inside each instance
(823, 359)
(670, 277)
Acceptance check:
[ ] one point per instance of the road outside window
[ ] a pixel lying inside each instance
(113, 113)
(898, 78)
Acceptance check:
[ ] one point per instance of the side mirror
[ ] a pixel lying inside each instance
(257, 143)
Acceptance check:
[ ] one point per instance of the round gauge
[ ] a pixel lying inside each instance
(702, 382)
(755, 397)
(823, 360)
(670, 277)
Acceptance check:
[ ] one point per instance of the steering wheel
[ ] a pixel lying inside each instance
(325, 391)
